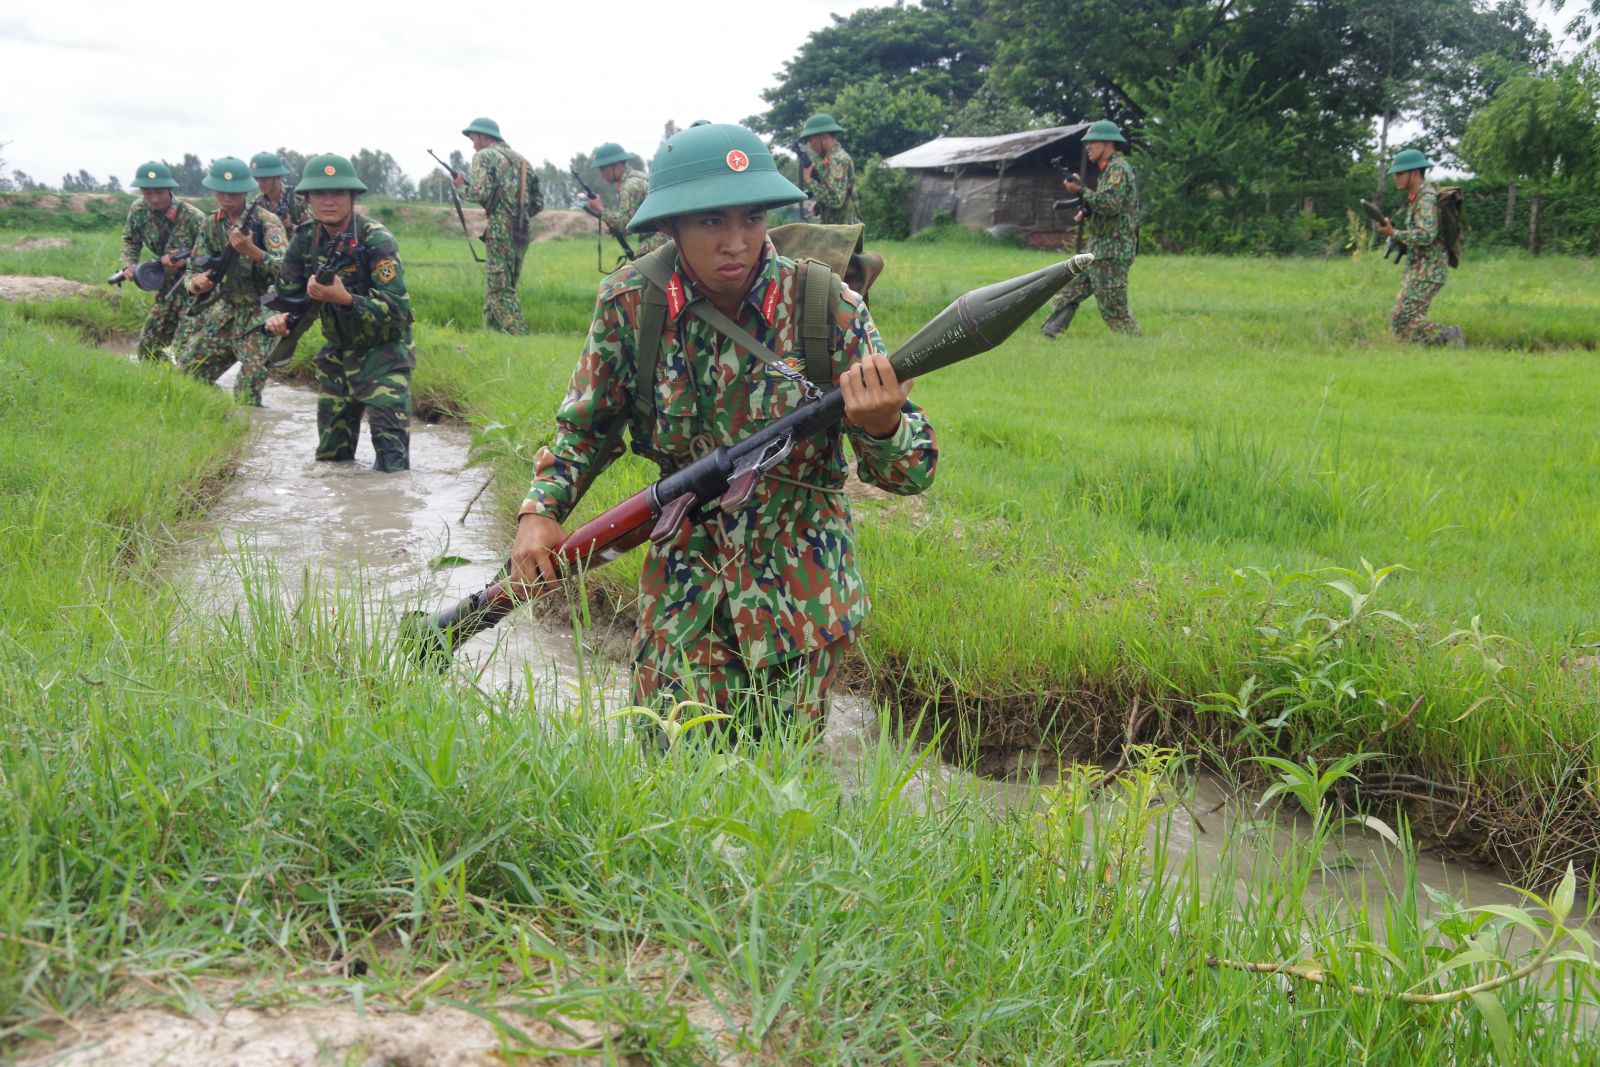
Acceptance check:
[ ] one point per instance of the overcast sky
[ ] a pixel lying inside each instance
(105, 86)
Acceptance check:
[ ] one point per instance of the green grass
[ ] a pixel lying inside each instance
(285, 789)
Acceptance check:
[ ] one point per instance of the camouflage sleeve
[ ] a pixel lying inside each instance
(292, 273)
(132, 239)
(1422, 227)
(385, 307)
(903, 462)
(203, 246)
(1112, 196)
(480, 180)
(596, 397)
(276, 245)
(534, 199)
(827, 188)
(186, 230)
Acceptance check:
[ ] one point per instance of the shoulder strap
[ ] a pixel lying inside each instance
(818, 295)
(656, 267)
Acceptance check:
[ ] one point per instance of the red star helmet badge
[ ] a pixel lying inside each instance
(737, 160)
(329, 170)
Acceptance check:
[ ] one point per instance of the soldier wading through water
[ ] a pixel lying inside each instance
(168, 227)
(748, 609)
(365, 315)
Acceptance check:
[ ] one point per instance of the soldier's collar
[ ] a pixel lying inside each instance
(763, 294)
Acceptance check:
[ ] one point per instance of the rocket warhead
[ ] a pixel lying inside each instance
(982, 319)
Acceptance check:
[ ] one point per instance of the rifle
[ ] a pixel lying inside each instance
(1074, 203)
(804, 159)
(462, 215)
(218, 266)
(299, 308)
(726, 477)
(627, 249)
(1375, 213)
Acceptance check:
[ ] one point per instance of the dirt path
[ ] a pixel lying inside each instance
(34, 287)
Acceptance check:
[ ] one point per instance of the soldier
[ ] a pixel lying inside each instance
(759, 601)
(504, 183)
(268, 171)
(632, 186)
(1427, 262)
(228, 330)
(1111, 212)
(365, 315)
(165, 225)
(832, 185)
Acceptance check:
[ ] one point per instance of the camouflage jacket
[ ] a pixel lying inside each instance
(779, 573)
(492, 182)
(1426, 258)
(176, 228)
(1113, 225)
(370, 268)
(833, 187)
(246, 279)
(635, 187)
(292, 211)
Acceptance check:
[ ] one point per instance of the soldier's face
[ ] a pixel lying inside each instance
(332, 206)
(157, 199)
(1100, 151)
(721, 248)
(612, 172)
(232, 203)
(271, 188)
(822, 143)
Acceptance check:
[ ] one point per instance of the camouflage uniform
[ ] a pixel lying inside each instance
(765, 598)
(1427, 269)
(496, 170)
(833, 187)
(367, 363)
(293, 211)
(1113, 230)
(228, 329)
(175, 229)
(635, 186)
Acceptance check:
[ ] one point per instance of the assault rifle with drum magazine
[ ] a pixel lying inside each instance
(726, 477)
(217, 266)
(628, 254)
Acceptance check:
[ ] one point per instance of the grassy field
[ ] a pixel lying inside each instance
(1118, 524)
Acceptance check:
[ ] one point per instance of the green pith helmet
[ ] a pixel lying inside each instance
(820, 123)
(488, 127)
(154, 175)
(1104, 130)
(267, 165)
(230, 174)
(329, 171)
(609, 153)
(708, 168)
(1409, 159)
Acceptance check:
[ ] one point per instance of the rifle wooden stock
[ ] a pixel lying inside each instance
(727, 476)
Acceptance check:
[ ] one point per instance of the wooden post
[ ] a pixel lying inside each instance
(1511, 202)
(1533, 222)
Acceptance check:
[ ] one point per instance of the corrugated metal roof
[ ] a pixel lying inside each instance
(954, 151)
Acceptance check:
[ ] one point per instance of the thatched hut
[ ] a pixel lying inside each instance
(1005, 180)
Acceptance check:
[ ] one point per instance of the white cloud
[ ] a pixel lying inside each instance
(110, 87)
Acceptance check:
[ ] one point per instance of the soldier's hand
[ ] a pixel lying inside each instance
(594, 202)
(277, 325)
(200, 283)
(127, 272)
(1080, 216)
(332, 293)
(533, 562)
(457, 179)
(168, 262)
(1385, 228)
(806, 172)
(873, 395)
(242, 244)
(1072, 185)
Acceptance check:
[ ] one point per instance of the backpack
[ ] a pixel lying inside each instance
(1452, 222)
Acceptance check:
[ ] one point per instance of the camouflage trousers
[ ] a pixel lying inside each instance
(1107, 281)
(501, 309)
(160, 327)
(220, 336)
(792, 692)
(371, 381)
(1408, 319)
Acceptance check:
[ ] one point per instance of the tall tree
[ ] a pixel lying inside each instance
(295, 161)
(380, 173)
(189, 174)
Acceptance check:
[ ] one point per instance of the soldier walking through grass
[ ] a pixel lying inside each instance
(228, 330)
(830, 180)
(165, 225)
(632, 187)
(365, 314)
(1427, 259)
(504, 183)
(697, 345)
(1110, 212)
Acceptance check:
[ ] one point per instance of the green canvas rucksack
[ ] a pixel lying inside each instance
(1452, 222)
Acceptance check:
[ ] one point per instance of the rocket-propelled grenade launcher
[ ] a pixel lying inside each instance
(727, 476)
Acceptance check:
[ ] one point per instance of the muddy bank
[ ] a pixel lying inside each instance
(38, 286)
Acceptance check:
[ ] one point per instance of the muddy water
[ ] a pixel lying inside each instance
(388, 533)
